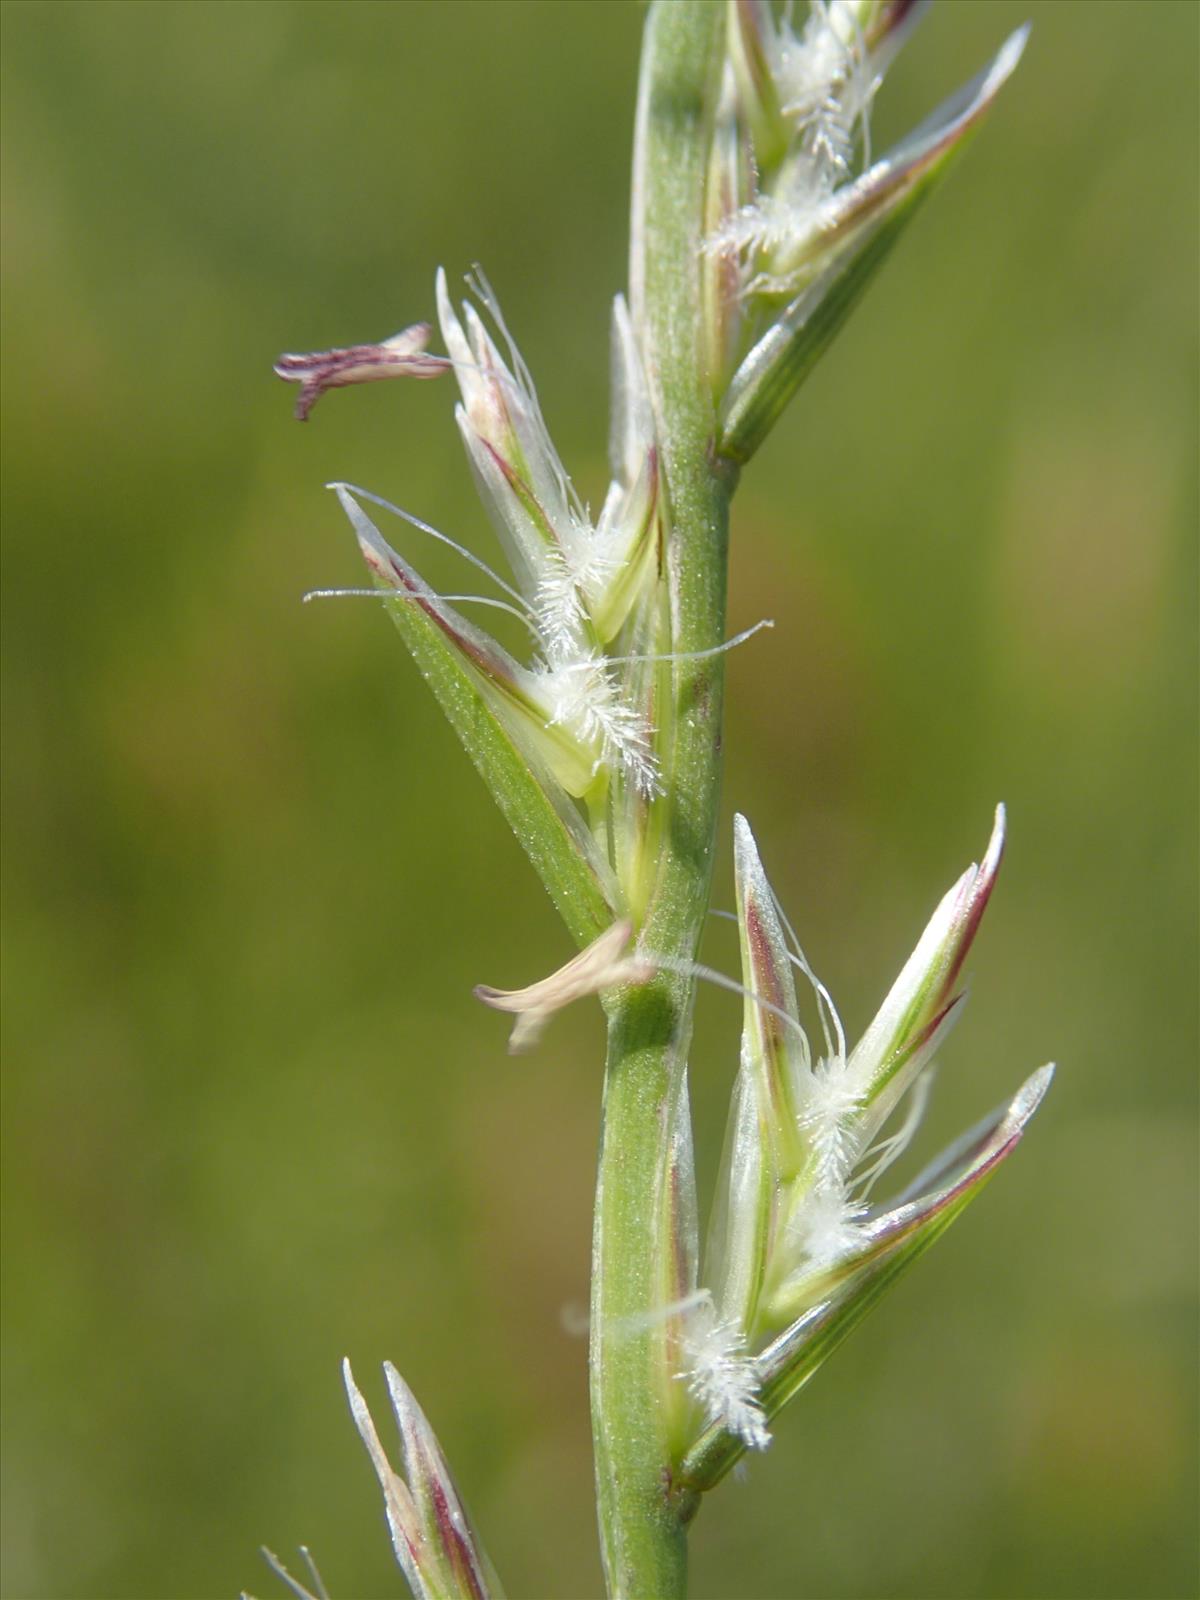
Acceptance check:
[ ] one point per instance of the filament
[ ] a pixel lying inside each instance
(635, 1322)
(698, 655)
(800, 961)
(285, 1577)
(314, 1573)
(396, 594)
(893, 1147)
(435, 533)
(693, 969)
(825, 1006)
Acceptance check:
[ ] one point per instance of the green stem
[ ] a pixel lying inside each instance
(642, 1531)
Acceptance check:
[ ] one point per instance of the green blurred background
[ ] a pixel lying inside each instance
(253, 1119)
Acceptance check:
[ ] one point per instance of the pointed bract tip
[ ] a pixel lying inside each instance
(1008, 55)
(1032, 1092)
(358, 1406)
(745, 848)
(990, 864)
(402, 1398)
(376, 551)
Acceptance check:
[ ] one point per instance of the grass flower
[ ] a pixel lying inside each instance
(794, 1226)
(824, 215)
(575, 583)
(435, 1545)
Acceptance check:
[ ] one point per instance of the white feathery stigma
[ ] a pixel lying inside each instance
(829, 1101)
(558, 607)
(721, 1377)
(825, 86)
(585, 697)
(826, 1227)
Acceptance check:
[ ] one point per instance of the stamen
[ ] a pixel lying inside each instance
(401, 356)
(601, 965)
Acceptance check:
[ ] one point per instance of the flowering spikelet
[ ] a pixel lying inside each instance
(819, 213)
(824, 81)
(796, 1244)
(578, 708)
(812, 207)
(564, 565)
(802, 1151)
(434, 1543)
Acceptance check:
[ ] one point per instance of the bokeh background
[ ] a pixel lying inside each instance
(253, 1119)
